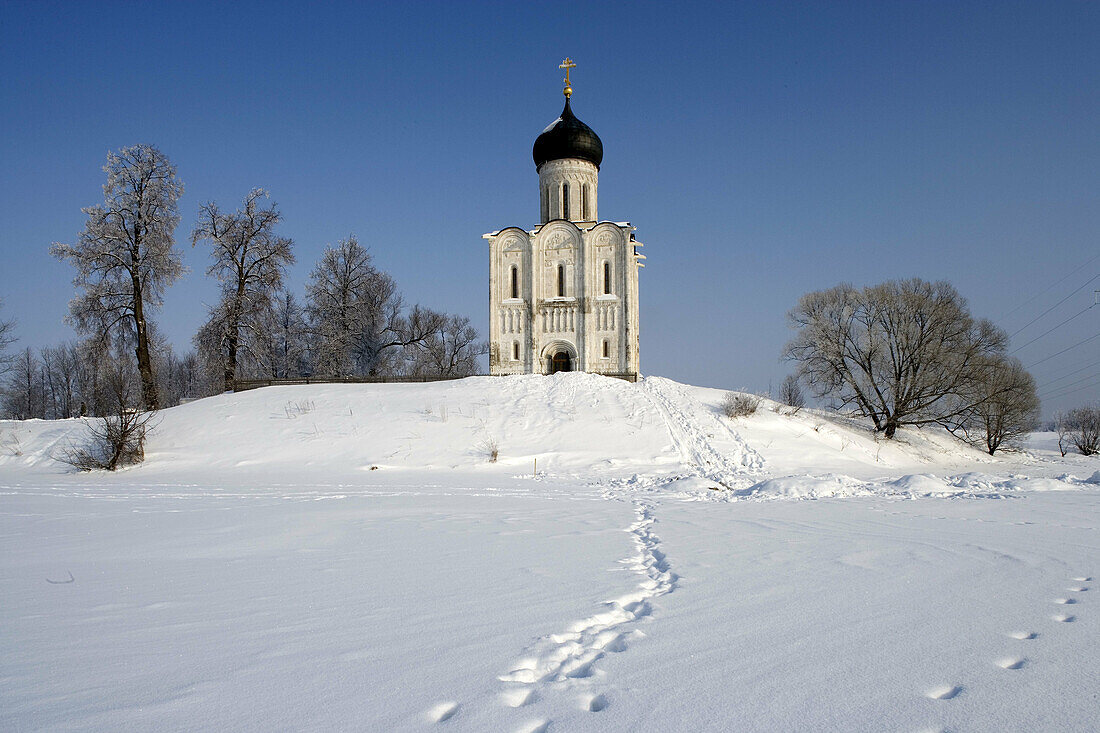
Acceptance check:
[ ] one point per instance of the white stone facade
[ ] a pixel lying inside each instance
(564, 296)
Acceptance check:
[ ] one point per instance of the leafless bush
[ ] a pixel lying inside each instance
(9, 443)
(1084, 429)
(740, 404)
(116, 440)
(490, 448)
(113, 442)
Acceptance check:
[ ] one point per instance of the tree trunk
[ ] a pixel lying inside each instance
(233, 338)
(891, 427)
(149, 395)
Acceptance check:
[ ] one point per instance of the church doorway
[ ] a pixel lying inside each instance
(560, 362)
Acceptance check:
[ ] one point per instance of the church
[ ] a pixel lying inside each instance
(564, 295)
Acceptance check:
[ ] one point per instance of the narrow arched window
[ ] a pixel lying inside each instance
(606, 349)
(561, 281)
(606, 278)
(515, 351)
(584, 202)
(515, 281)
(565, 201)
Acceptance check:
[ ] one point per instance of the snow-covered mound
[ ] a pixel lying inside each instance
(652, 434)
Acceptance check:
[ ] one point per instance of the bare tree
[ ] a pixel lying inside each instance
(284, 350)
(451, 350)
(1084, 429)
(61, 367)
(24, 394)
(249, 261)
(790, 393)
(1004, 407)
(900, 353)
(1061, 427)
(125, 255)
(7, 338)
(182, 377)
(357, 316)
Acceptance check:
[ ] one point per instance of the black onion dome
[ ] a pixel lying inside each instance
(567, 137)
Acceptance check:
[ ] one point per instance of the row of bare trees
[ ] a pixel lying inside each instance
(909, 353)
(353, 322)
(83, 378)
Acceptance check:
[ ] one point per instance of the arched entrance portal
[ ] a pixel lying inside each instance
(560, 362)
(559, 356)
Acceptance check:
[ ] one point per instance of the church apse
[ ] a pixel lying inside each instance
(564, 295)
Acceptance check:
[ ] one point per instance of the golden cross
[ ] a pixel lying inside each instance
(567, 65)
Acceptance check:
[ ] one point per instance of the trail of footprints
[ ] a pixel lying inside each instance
(1016, 662)
(567, 660)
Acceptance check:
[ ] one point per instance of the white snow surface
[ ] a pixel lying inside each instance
(346, 557)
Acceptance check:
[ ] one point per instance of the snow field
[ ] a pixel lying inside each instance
(346, 557)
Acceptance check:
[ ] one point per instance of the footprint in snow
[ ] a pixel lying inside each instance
(1011, 662)
(1024, 635)
(442, 712)
(1082, 580)
(519, 697)
(1078, 589)
(1065, 601)
(944, 692)
(596, 703)
(1064, 618)
(535, 726)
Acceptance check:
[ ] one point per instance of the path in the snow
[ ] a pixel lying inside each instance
(692, 433)
(565, 664)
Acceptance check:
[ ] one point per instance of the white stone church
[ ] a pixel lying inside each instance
(564, 295)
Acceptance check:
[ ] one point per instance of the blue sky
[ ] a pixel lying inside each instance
(762, 150)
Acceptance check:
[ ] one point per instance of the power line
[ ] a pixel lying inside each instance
(1070, 374)
(1029, 343)
(1049, 287)
(1060, 395)
(1048, 310)
(1066, 386)
(1068, 348)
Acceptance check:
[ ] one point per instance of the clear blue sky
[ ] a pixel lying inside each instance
(762, 150)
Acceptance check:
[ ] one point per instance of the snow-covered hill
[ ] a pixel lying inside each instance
(582, 426)
(347, 557)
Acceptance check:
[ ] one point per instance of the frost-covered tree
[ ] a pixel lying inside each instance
(125, 256)
(284, 352)
(904, 352)
(356, 315)
(61, 368)
(182, 377)
(250, 260)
